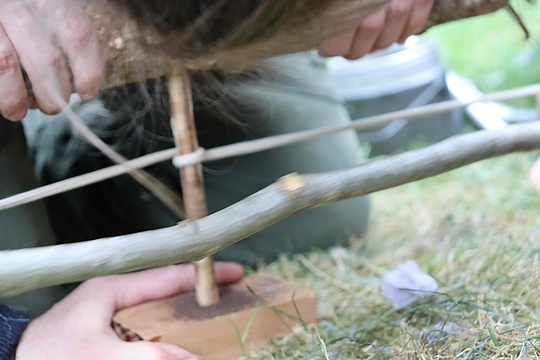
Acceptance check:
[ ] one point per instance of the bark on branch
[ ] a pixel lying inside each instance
(128, 59)
(449, 10)
(23, 270)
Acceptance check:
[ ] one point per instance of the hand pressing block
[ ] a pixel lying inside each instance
(249, 313)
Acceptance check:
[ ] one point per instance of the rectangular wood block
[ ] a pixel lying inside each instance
(260, 307)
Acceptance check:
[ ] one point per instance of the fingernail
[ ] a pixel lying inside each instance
(16, 116)
(402, 39)
(89, 95)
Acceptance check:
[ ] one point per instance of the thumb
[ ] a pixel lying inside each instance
(135, 288)
(150, 351)
(105, 295)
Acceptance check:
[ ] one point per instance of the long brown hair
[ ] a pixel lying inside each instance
(195, 28)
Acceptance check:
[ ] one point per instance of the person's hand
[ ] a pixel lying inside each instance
(79, 326)
(54, 42)
(391, 23)
(534, 174)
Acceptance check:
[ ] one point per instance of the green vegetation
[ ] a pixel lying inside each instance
(475, 229)
(492, 50)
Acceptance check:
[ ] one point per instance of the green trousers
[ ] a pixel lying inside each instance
(27, 225)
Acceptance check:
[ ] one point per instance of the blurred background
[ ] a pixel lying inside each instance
(459, 60)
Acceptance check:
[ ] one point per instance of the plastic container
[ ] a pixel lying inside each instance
(403, 76)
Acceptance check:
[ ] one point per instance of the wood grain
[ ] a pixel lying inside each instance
(259, 308)
(127, 43)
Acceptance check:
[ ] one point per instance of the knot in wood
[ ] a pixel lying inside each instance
(292, 183)
(118, 43)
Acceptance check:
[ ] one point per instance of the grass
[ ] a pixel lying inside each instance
(475, 229)
(492, 50)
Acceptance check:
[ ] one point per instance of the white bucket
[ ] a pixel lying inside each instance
(403, 76)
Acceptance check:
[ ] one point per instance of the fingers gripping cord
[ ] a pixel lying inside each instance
(196, 157)
(168, 197)
(248, 147)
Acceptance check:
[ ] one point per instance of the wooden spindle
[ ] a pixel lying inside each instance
(191, 178)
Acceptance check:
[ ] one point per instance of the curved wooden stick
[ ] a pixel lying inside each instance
(23, 270)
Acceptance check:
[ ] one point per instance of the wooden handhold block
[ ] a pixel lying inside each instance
(260, 307)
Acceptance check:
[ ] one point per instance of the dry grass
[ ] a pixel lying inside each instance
(476, 230)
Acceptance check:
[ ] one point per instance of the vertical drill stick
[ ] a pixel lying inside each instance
(191, 178)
